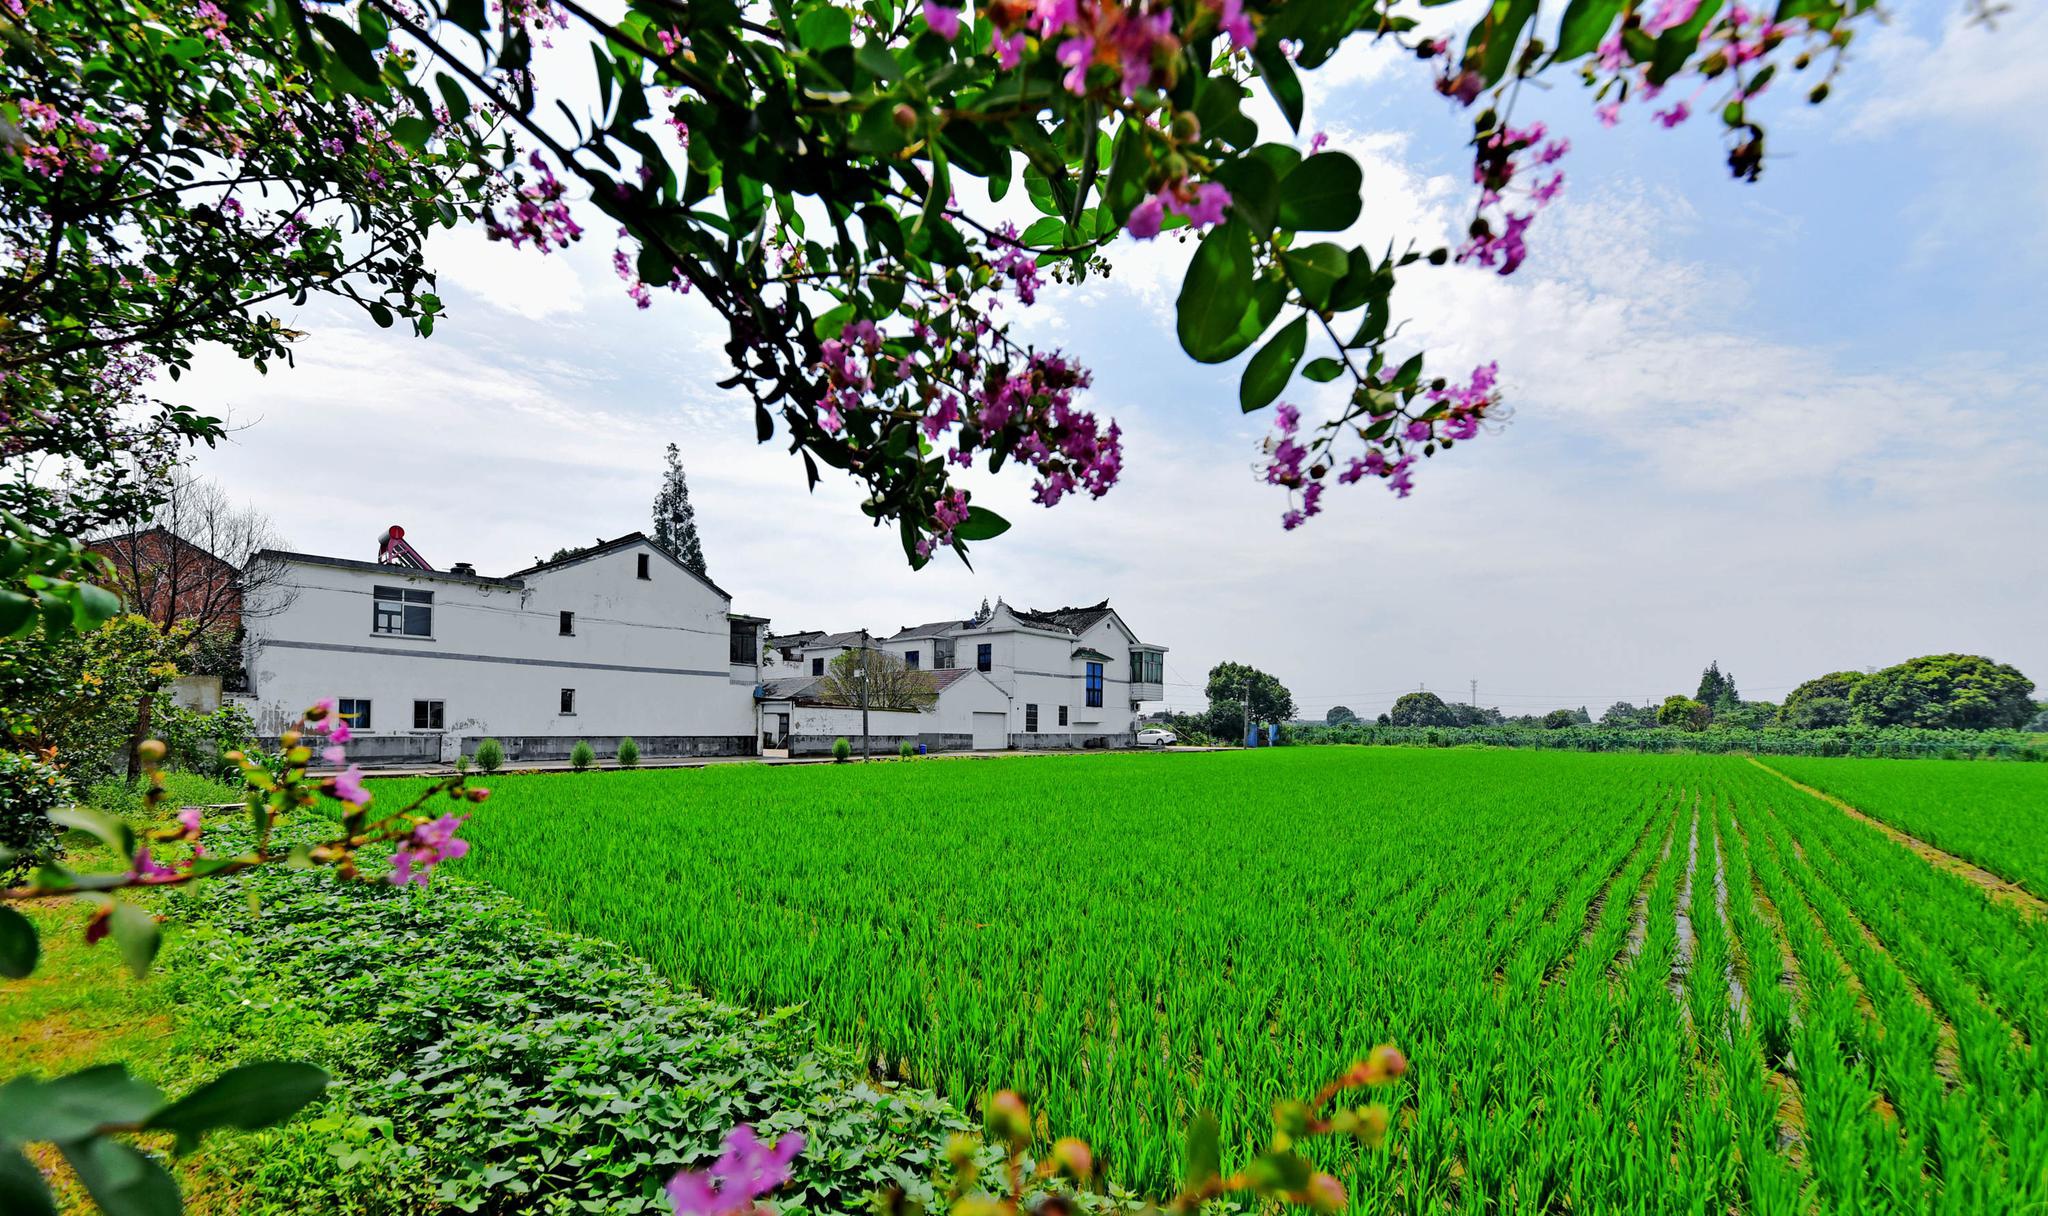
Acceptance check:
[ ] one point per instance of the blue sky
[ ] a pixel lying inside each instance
(1790, 426)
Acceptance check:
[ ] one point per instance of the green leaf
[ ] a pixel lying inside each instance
(1315, 270)
(1322, 194)
(17, 613)
(453, 96)
(981, 524)
(1254, 190)
(112, 830)
(824, 27)
(354, 54)
(1210, 312)
(1585, 23)
(1322, 370)
(74, 1105)
(1268, 372)
(136, 933)
(1280, 80)
(93, 606)
(122, 1180)
(1498, 34)
(1205, 1150)
(22, 1191)
(249, 1097)
(1676, 45)
(19, 946)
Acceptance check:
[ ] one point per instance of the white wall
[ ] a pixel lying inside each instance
(648, 657)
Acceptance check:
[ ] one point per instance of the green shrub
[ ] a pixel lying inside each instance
(629, 752)
(30, 788)
(842, 751)
(581, 756)
(200, 742)
(461, 763)
(905, 750)
(490, 755)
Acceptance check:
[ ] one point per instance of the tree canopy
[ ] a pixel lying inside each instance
(675, 520)
(1964, 691)
(1227, 690)
(1421, 709)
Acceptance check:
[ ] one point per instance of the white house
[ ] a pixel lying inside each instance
(620, 639)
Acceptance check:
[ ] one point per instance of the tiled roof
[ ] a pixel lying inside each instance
(805, 689)
(930, 629)
(1076, 621)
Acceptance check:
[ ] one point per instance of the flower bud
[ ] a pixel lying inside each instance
(150, 751)
(1384, 1064)
(1819, 94)
(1325, 1194)
(1186, 127)
(906, 118)
(1008, 1119)
(288, 739)
(1175, 165)
(1439, 256)
(1372, 1123)
(1072, 1156)
(960, 1148)
(1291, 1117)
(476, 793)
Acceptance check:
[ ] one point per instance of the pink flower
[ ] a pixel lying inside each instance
(189, 818)
(348, 786)
(743, 1173)
(147, 870)
(1610, 114)
(429, 845)
(1678, 113)
(945, 20)
(1146, 218)
(1076, 54)
(1288, 417)
(1669, 14)
(334, 755)
(1008, 49)
(1205, 208)
(1317, 143)
(1231, 18)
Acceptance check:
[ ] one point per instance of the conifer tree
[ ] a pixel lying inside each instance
(675, 520)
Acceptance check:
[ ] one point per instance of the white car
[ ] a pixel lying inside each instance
(1157, 736)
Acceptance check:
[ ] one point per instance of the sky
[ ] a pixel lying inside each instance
(1791, 427)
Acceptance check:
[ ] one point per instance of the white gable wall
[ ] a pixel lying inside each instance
(647, 657)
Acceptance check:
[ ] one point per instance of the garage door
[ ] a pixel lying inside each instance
(991, 732)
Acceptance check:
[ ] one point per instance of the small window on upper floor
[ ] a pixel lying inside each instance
(817, 667)
(985, 656)
(746, 641)
(643, 566)
(568, 624)
(569, 701)
(1094, 686)
(402, 611)
(910, 659)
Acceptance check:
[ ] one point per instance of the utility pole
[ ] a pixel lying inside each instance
(1474, 702)
(865, 752)
(1248, 712)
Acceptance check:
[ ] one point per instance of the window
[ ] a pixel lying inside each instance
(745, 643)
(818, 667)
(403, 611)
(356, 712)
(569, 701)
(942, 655)
(643, 566)
(568, 624)
(1063, 715)
(910, 659)
(1030, 718)
(426, 715)
(1095, 686)
(1147, 667)
(985, 656)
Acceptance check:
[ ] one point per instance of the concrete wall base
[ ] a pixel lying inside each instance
(880, 745)
(523, 748)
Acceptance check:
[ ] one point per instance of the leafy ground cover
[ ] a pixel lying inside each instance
(483, 1062)
(1993, 814)
(1667, 983)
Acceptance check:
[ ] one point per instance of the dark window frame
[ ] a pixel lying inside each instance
(401, 612)
(1094, 685)
(434, 712)
(358, 718)
(568, 703)
(568, 622)
(984, 656)
(1063, 715)
(743, 647)
(1030, 717)
(817, 666)
(645, 570)
(910, 659)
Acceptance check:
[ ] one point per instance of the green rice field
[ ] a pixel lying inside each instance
(1626, 983)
